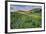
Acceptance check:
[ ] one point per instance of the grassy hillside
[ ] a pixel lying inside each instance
(25, 20)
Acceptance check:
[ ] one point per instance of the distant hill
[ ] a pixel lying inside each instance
(22, 12)
(37, 10)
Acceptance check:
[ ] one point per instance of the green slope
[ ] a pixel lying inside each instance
(19, 20)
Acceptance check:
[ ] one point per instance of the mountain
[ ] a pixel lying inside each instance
(37, 10)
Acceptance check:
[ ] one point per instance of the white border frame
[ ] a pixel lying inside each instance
(29, 29)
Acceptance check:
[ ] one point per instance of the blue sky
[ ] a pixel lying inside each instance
(20, 7)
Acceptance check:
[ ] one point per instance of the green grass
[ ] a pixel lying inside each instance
(19, 21)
